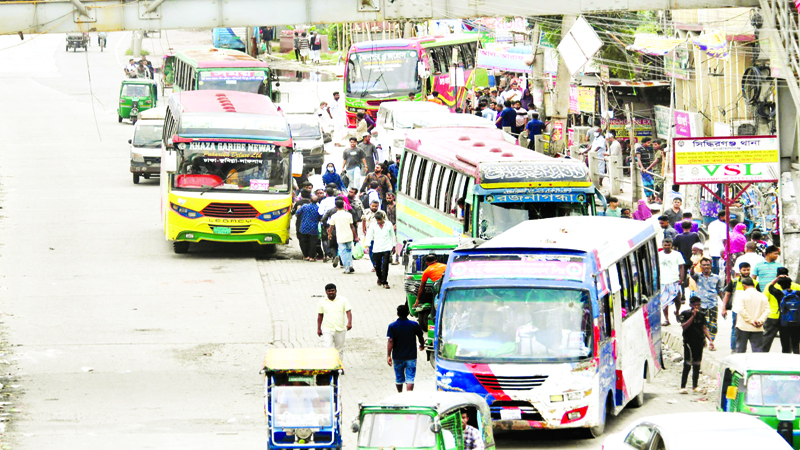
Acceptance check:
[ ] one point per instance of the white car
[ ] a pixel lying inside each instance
(394, 119)
(145, 144)
(697, 431)
(308, 139)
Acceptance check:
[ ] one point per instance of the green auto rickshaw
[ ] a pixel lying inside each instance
(414, 253)
(135, 96)
(765, 385)
(423, 420)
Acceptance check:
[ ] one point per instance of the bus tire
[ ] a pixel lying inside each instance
(598, 430)
(432, 359)
(638, 401)
(180, 247)
(136, 178)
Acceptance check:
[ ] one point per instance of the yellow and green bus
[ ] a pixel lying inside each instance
(225, 170)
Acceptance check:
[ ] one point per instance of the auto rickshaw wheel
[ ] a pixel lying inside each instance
(119, 118)
(136, 178)
(180, 247)
(134, 119)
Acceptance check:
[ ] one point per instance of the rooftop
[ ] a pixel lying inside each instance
(223, 101)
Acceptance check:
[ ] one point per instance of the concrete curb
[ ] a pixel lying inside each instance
(674, 341)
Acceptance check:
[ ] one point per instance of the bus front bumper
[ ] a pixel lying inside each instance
(261, 238)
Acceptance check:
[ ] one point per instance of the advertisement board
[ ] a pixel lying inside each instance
(730, 159)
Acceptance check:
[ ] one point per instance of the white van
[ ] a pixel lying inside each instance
(395, 119)
(145, 144)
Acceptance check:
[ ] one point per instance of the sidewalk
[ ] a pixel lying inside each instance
(673, 338)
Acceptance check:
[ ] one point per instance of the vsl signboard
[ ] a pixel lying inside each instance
(734, 159)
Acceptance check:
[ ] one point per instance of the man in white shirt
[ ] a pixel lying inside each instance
(750, 256)
(717, 231)
(339, 117)
(752, 309)
(383, 242)
(672, 267)
(346, 235)
(512, 94)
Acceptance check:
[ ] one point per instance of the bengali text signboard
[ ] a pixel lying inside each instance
(734, 159)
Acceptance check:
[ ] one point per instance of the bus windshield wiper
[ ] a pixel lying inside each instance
(208, 188)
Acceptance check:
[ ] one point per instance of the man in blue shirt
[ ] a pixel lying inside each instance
(394, 170)
(767, 270)
(710, 288)
(401, 350)
(507, 117)
(534, 127)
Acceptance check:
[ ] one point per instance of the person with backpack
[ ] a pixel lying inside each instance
(784, 318)
(732, 293)
(752, 308)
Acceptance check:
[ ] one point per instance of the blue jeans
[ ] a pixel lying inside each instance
(405, 371)
(371, 258)
(733, 332)
(715, 264)
(346, 254)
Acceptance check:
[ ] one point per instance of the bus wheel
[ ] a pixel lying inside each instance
(180, 247)
(638, 401)
(136, 178)
(598, 430)
(432, 359)
(266, 250)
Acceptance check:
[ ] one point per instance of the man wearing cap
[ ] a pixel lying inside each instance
(752, 309)
(370, 152)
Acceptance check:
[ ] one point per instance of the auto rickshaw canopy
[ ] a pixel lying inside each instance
(745, 363)
(307, 361)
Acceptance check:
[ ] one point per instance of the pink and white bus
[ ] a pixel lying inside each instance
(390, 70)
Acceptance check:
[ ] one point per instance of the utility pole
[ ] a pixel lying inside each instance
(635, 176)
(563, 79)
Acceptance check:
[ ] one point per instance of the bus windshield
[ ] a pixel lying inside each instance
(516, 324)
(396, 431)
(266, 171)
(382, 73)
(232, 80)
(496, 217)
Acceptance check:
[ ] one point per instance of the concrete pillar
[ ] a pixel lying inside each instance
(615, 164)
(575, 152)
(137, 44)
(594, 167)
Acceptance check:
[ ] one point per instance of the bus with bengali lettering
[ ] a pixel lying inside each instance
(472, 182)
(556, 322)
(225, 170)
(390, 70)
(210, 68)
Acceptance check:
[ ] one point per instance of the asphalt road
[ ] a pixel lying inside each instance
(119, 343)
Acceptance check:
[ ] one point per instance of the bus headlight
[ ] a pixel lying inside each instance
(570, 396)
(581, 198)
(185, 212)
(136, 157)
(272, 215)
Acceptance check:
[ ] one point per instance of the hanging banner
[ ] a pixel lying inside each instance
(688, 124)
(676, 63)
(662, 121)
(499, 60)
(573, 100)
(558, 131)
(581, 99)
(641, 128)
(714, 45)
(732, 159)
(651, 44)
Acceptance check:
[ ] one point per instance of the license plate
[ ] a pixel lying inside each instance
(510, 414)
(222, 230)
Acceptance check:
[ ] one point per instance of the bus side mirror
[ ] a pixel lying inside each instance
(276, 97)
(731, 393)
(170, 161)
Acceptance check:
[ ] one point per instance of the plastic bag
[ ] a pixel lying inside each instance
(358, 251)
